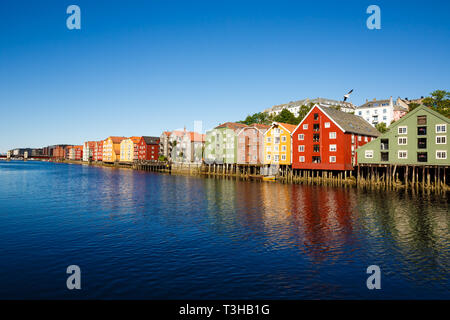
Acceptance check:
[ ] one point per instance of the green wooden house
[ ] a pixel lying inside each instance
(419, 138)
(221, 143)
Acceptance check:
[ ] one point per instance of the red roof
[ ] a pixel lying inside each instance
(287, 126)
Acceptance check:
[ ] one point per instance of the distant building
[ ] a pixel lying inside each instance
(221, 143)
(97, 154)
(75, 152)
(327, 139)
(192, 147)
(88, 150)
(381, 111)
(129, 149)
(164, 147)
(111, 149)
(419, 138)
(294, 106)
(148, 148)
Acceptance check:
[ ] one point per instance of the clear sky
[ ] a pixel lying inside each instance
(141, 67)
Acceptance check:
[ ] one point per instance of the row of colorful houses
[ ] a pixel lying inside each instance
(326, 139)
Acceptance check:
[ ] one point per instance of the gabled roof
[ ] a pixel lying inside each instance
(419, 108)
(232, 125)
(263, 128)
(347, 122)
(287, 126)
(350, 122)
(151, 140)
(371, 104)
(196, 137)
(116, 139)
(135, 140)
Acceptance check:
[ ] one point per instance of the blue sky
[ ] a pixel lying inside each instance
(141, 67)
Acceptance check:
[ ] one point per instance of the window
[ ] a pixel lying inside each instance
(402, 140)
(441, 154)
(360, 113)
(316, 116)
(301, 159)
(441, 140)
(277, 130)
(403, 154)
(421, 131)
(268, 149)
(332, 159)
(441, 128)
(384, 156)
(268, 139)
(422, 157)
(316, 137)
(384, 110)
(283, 139)
(315, 159)
(276, 148)
(268, 157)
(305, 126)
(283, 157)
(353, 138)
(402, 130)
(327, 124)
(384, 118)
(384, 144)
(369, 154)
(277, 140)
(316, 148)
(365, 139)
(301, 137)
(359, 138)
(333, 148)
(283, 148)
(276, 158)
(421, 120)
(332, 135)
(301, 148)
(316, 127)
(422, 143)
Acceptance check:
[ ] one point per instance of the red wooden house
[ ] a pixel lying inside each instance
(78, 150)
(327, 139)
(98, 151)
(148, 148)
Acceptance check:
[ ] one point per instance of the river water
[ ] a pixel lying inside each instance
(156, 236)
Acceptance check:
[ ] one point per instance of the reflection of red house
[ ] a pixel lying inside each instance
(327, 139)
(148, 148)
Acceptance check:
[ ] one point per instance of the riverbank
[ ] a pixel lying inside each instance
(369, 179)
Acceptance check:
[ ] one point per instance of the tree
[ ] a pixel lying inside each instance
(285, 116)
(413, 105)
(439, 101)
(381, 127)
(259, 117)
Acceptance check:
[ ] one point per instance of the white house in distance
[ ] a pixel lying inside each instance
(378, 111)
(294, 106)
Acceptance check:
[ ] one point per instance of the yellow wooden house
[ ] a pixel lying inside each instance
(129, 149)
(111, 149)
(277, 144)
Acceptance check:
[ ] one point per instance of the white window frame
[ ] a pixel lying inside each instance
(327, 124)
(441, 137)
(331, 147)
(283, 157)
(283, 139)
(268, 157)
(368, 154)
(332, 135)
(332, 159)
(401, 152)
(402, 127)
(301, 158)
(305, 126)
(301, 136)
(359, 138)
(402, 138)
(441, 151)
(301, 148)
(283, 148)
(444, 125)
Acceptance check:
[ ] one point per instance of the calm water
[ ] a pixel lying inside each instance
(143, 235)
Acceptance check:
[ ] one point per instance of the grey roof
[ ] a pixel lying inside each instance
(151, 140)
(350, 122)
(370, 104)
